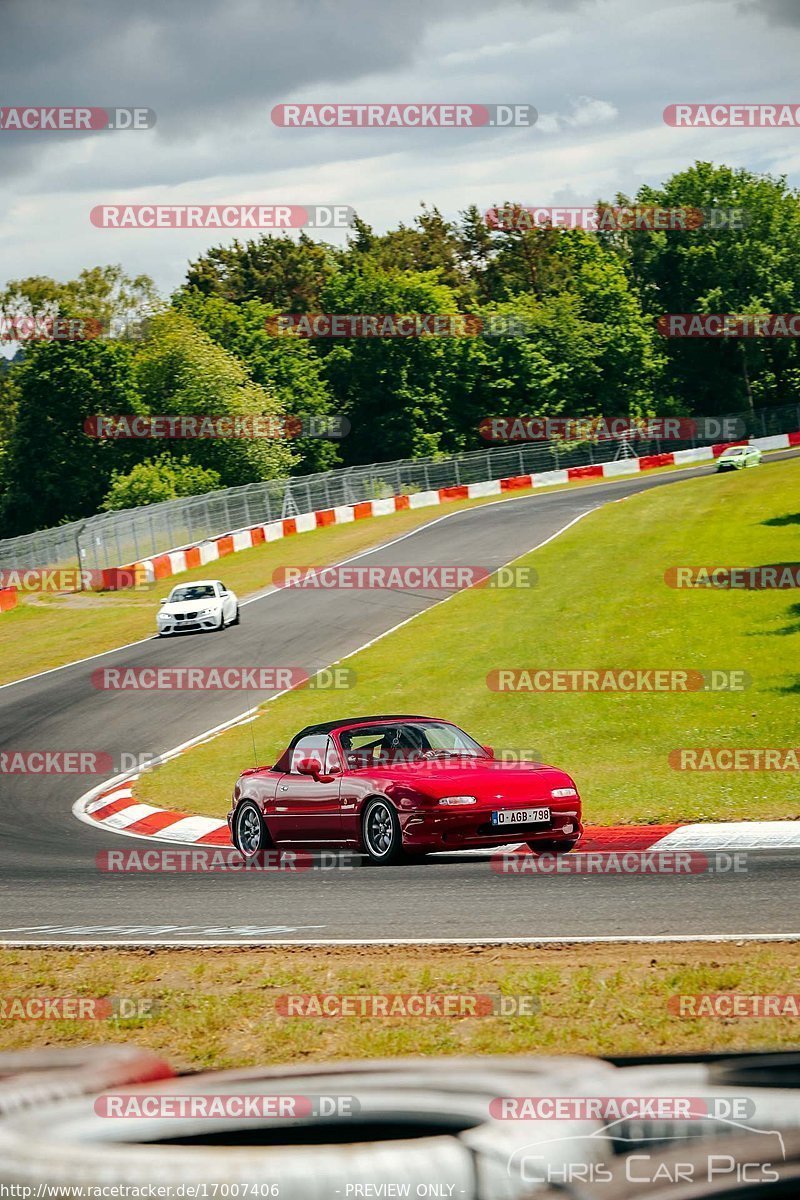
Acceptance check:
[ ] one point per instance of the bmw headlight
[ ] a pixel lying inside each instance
(454, 800)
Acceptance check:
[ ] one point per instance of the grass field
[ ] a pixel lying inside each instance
(217, 1007)
(49, 630)
(601, 602)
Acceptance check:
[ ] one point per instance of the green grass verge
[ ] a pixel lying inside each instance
(217, 1007)
(601, 601)
(50, 630)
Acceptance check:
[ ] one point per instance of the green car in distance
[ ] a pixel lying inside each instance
(736, 458)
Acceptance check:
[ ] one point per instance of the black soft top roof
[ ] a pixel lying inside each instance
(329, 726)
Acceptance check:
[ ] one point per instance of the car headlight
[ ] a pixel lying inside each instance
(458, 800)
(562, 793)
(207, 612)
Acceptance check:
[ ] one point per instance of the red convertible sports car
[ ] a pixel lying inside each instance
(396, 785)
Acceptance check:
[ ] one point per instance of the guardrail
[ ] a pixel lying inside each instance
(131, 535)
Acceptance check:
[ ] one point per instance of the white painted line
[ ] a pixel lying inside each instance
(614, 939)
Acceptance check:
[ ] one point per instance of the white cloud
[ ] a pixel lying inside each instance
(600, 73)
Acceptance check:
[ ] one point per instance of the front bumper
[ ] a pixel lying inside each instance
(468, 828)
(188, 625)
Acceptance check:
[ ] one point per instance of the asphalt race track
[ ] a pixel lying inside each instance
(51, 890)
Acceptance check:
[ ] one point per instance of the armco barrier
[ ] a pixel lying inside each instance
(134, 534)
(174, 562)
(8, 598)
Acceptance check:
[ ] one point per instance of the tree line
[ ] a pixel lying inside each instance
(588, 302)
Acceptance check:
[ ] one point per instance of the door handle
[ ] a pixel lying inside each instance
(284, 787)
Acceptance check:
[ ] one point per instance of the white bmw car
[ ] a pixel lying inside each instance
(207, 604)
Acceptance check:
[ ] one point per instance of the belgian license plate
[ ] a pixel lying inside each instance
(521, 816)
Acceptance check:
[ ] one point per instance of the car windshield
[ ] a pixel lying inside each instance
(736, 450)
(406, 741)
(197, 591)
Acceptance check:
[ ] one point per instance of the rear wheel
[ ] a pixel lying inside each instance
(249, 830)
(381, 834)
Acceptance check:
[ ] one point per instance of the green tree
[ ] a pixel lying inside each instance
(396, 392)
(276, 270)
(120, 303)
(179, 369)
(52, 471)
(289, 368)
(738, 270)
(157, 479)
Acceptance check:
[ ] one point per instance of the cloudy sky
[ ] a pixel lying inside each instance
(599, 72)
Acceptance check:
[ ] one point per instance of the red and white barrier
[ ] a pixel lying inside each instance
(118, 811)
(8, 599)
(173, 562)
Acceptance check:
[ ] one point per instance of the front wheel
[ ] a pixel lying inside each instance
(383, 840)
(235, 620)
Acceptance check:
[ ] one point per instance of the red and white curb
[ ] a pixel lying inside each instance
(174, 562)
(118, 810)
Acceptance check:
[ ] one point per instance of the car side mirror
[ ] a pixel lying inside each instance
(309, 766)
(489, 750)
(164, 600)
